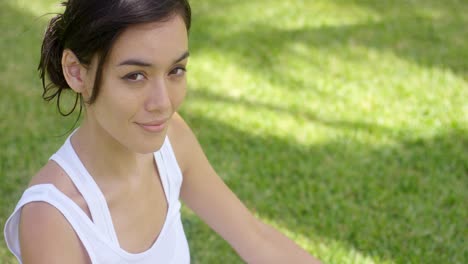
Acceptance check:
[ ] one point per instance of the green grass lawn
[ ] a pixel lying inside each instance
(342, 123)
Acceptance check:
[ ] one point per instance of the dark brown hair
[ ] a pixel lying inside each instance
(89, 28)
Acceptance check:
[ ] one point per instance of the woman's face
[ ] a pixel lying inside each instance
(142, 86)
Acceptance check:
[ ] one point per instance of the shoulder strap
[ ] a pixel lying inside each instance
(170, 169)
(71, 164)
(162, 171)
(48, 193)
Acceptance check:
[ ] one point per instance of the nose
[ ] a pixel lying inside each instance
(158, 97)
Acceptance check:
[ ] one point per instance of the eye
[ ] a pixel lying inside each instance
(134, 77)
(178, 71)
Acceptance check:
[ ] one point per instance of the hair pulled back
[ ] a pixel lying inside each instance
(89, 28)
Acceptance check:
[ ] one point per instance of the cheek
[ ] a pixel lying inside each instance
(177, 97)
(115, 102)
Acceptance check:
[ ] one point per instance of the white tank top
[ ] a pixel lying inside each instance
(98, 236)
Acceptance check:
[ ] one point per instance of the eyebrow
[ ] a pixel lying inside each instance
(137, 62)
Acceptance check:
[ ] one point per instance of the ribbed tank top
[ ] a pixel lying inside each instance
(98, 235)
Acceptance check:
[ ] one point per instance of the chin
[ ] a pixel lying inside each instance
(149, 147)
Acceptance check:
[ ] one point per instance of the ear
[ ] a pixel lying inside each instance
(74, 72)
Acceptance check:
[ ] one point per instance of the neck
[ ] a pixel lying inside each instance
(105, 158)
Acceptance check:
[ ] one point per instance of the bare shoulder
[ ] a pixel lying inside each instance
(54, 174)
(47, 237)
(45, 234)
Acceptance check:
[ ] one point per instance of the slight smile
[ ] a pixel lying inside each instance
(154, 127)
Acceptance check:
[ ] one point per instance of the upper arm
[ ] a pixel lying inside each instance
(47, 237)
(208, 196)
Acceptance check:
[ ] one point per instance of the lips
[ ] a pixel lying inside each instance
(153, 126)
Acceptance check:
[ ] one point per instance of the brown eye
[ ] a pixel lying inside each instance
(178, 71)
(136, 76)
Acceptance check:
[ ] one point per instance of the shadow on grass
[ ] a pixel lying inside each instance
(430, 33)
(410, 31)
(401, 202)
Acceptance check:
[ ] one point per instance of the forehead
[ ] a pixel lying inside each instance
(157, 42)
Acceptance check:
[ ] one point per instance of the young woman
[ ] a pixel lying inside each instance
(111, 193)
